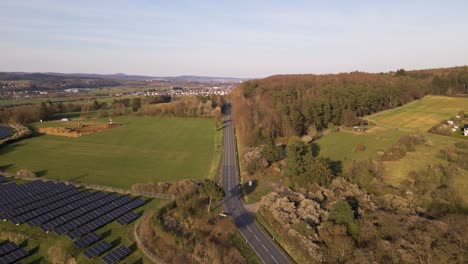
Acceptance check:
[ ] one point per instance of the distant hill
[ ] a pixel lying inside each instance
(49, 76)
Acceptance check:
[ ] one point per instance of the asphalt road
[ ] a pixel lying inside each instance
(261, 243)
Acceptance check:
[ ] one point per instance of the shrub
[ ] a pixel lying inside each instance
(342, 213)
(25, 174)
(359, 148)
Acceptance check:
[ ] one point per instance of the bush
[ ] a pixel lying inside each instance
(25, 174)
(359, 148)
(342, 213)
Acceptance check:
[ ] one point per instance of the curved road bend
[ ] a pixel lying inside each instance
(262, 244)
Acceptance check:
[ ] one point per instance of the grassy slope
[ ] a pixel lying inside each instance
(341, 145)
(422, 114)
(145, 149)
(415, 117)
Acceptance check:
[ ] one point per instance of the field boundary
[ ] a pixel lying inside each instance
(165, 196)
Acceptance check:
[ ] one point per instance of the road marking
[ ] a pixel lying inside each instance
(250, 230)
(274, 258)
(257, 239)
(265, 248)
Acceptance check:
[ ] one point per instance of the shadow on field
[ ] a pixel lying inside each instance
(37, 261)
(139, 261)
(315, 149)
(107, 233)
(78, 178)
(5, 167)
(34, 250)
(116, 242)
(10, 147)
(41, 173)
(249, 189)
(25, 243)
(133, 247)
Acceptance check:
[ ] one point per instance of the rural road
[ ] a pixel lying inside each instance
(261, 243)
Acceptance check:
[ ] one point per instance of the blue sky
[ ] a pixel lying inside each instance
(238, 38)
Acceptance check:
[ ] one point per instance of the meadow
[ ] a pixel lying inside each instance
(143, 149)
(341, 146)
(414, 118)
(422, 114)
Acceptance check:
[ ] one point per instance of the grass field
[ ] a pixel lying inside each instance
(144, 149)
(422, 114)
(341, 146)
(78, 100)
(415, 117)
(41, 243)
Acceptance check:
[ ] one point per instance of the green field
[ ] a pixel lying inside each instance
(422, 114)
(342, 145)
(79, 100)
(144, 149)
(415, 117)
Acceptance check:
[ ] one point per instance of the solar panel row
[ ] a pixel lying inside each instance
(35, 209)
(14, 256)
(66, 209)
(34, 216)
(127, 218)
(116, 255)
(13, 195)
(97, 249)
(53, 224)
(105, 218)
(93, 214)
(87, 240)
(7, 248)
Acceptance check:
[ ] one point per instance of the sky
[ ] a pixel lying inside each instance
(250, 39)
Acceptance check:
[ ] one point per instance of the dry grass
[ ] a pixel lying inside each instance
(421, 115)
(75, 129)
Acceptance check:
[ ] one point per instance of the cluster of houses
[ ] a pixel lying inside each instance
(204, 91)
(455, 125)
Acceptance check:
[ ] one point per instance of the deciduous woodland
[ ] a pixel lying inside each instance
(286, 105)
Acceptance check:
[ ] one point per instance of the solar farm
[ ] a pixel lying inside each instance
(65, 210)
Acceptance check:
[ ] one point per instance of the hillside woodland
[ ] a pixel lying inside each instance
(322, 214)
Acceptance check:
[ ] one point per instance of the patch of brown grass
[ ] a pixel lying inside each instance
(76, 131)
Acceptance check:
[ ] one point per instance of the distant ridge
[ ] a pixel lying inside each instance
(116, 76)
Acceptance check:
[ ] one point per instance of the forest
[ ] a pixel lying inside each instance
(287, 105)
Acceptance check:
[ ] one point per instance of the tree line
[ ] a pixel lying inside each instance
(294, 105)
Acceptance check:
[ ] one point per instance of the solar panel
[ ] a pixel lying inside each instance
(127, 218)
(97, 249)
(7, 248)
(73, 215)
(14, 256)
(87, 240)
(89, 217)
(41, 215)
(116, 255)
(105, 219)
(2, 178)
